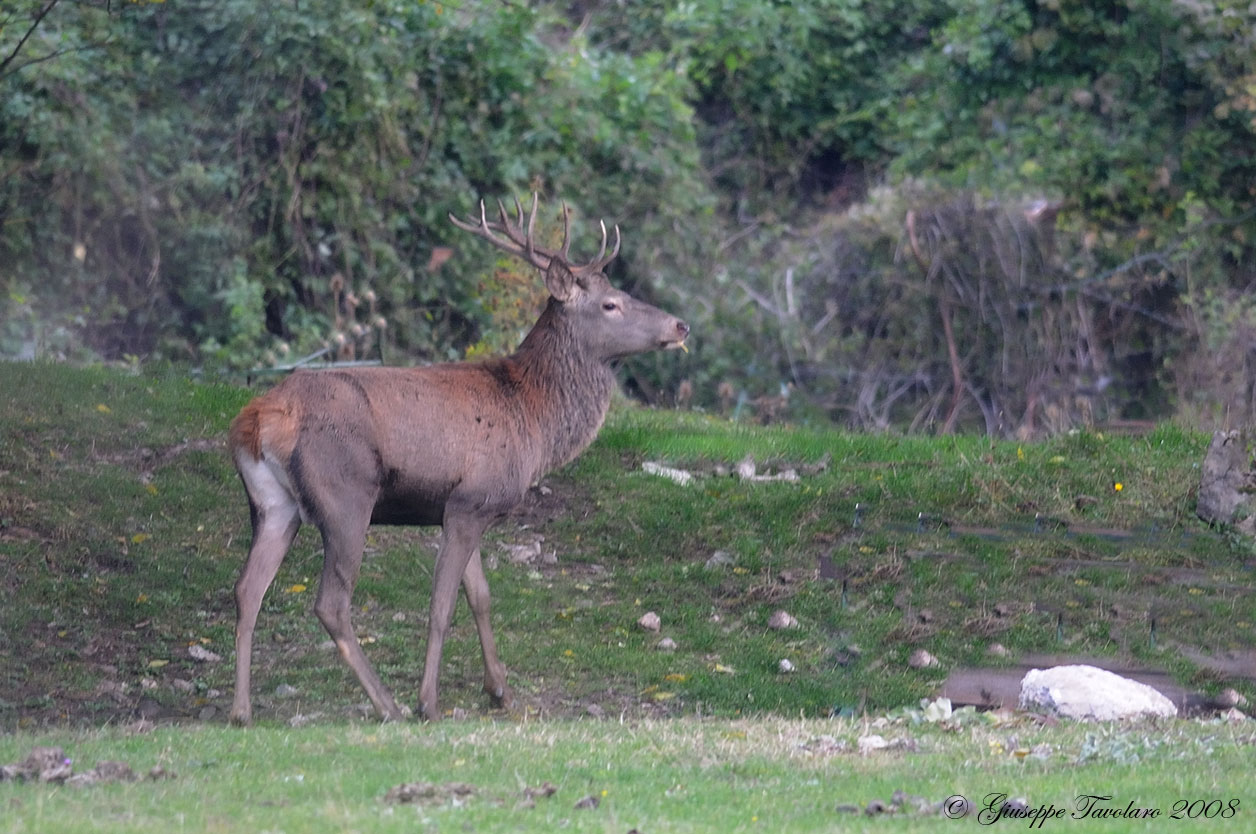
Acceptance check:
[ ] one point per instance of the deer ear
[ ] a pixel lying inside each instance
(560, 280)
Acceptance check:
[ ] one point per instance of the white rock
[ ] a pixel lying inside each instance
(921, 659)
(719, 559)
(667, 644)
(785, 666)
(650, 621)
(870, 744)
(1090, 693)
(204, 655)
(680, 476)
(782, 620)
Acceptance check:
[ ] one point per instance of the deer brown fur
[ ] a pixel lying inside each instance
(455, 445)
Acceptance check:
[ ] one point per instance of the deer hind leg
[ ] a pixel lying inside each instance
(475, 584)
(343, 542)
(275, 524)
(460, 538)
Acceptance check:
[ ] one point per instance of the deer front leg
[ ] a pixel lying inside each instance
(460, 538)
(475, 584)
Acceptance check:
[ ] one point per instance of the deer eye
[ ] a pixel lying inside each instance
(610, 306)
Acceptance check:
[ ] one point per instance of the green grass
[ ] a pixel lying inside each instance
(680, 775)
(123, 526)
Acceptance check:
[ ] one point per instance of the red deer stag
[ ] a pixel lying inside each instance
(455, 444)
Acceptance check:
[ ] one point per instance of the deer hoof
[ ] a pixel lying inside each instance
(501, 697)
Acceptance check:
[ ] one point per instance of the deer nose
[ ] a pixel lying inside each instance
(682, 329)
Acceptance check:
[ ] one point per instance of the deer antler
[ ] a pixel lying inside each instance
(519, 241)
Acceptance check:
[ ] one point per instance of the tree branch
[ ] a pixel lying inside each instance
(4, 64)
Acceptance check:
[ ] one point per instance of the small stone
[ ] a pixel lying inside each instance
(204, 655)
(399, 617)
(286, 691)
(875, 807)
(785, 666)
(1234, 715)
(921, 659)
(998, 650)
(870, 744)
(667, 644)
(650, 621)
(589, 802)
(207, 712)
(719, 559)
(847, 808)
(1230, 697)
(781, 620)
(180, 685)
(746, 468)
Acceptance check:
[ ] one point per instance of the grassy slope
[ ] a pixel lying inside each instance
(124, 527)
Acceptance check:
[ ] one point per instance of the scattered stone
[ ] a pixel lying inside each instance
(283, 690)
(428, 793)
(1229, 698)
(148, 684)
(327, 645)
(531, 552)
(149, 708)
(921, 659)
(650, 621)
(595, 710)
(847, 808)
(47, 764)
(781, 620)
(204, 655)
(158, 773)
(824, 746)
(545, 791)
(180, 685)
(667, 644)
(302, 719)
(107, 771)
(680, 476)
(871, 744)
(1233, 715)
(207, 713)
(875, 807)
(785, 666)
(998, 650)
(719, 559)
(745, 468)
(1089, 693)
(588, 803)
(399, 617)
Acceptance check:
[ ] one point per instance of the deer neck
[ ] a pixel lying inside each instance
(571, 390)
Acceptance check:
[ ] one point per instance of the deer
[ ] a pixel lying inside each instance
(455, 444)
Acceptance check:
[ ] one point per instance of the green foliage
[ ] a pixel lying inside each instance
(218, 166)
(207, 183)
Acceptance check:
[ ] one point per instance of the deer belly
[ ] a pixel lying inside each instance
(410, 505)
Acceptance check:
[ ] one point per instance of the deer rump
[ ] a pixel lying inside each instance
(455, 445)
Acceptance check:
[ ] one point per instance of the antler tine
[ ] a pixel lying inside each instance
(562, 253)
(536, 202)
(602, 258)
